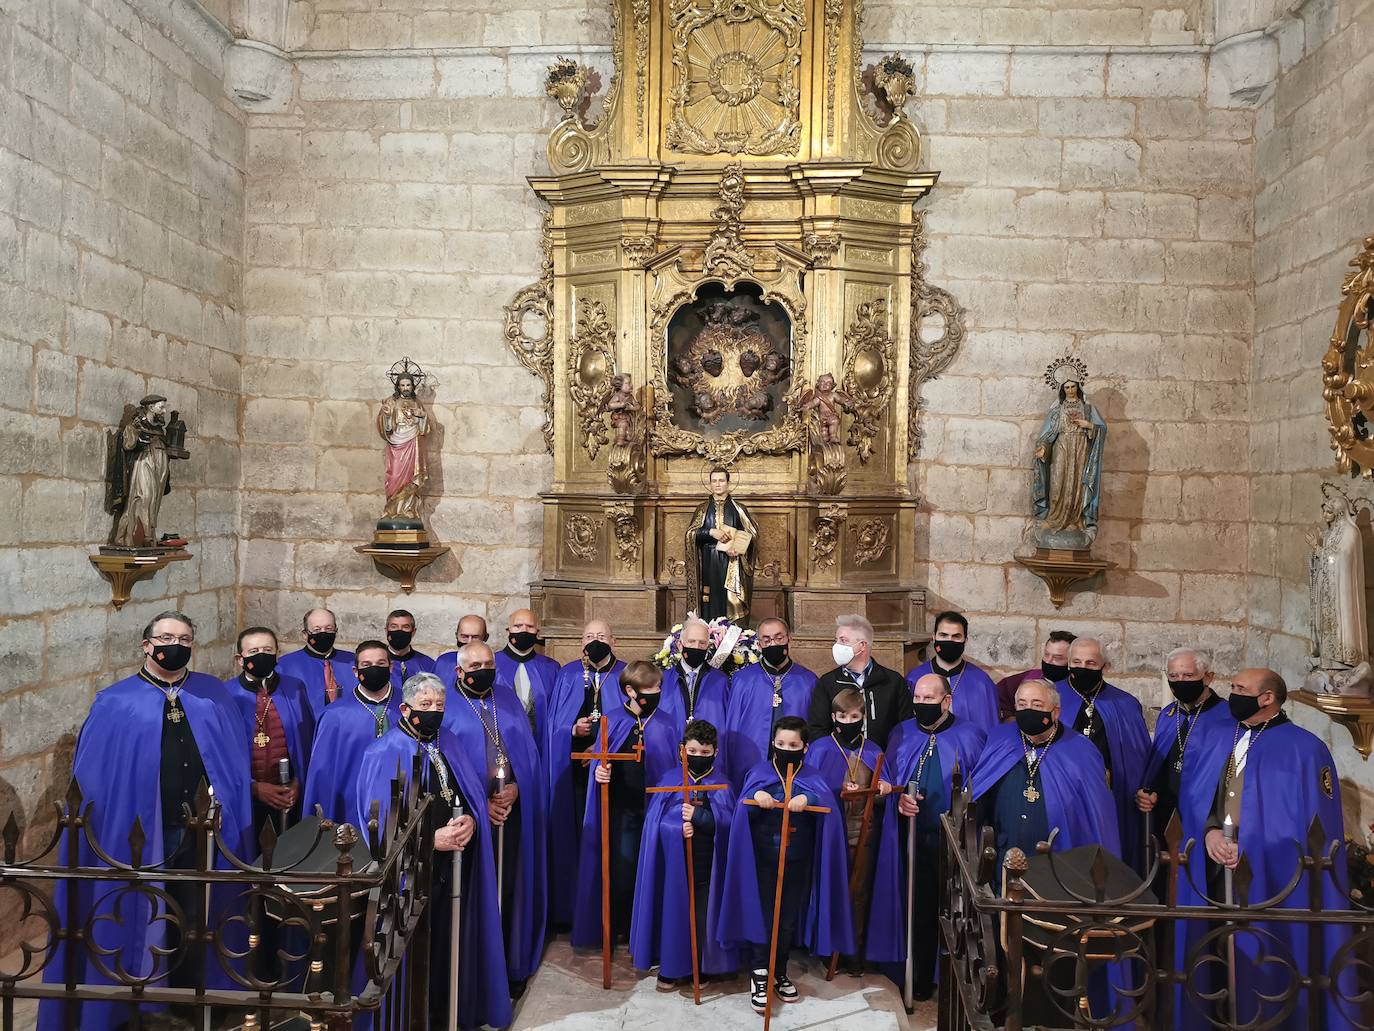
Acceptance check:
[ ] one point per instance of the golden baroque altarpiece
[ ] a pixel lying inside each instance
(737, 224)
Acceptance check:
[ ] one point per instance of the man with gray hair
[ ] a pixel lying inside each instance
(1195, 708)
(492, 727)
(887, 702)
(692, 688)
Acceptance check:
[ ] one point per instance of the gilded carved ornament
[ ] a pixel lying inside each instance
(871, 538)
(834, 17)
(582, 534)
(930, 355)
(825, 536)
(628, 541)
(726, 256)
(821, 248)
(1348, 369)
(529, 328)
(735, 76)
(575, 146)
(591, 369)
(869, 381)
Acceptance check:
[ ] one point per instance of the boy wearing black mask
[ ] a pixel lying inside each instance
(660, 931)
(405, 660)
(631, 726)
(974, 693)
(815, 874)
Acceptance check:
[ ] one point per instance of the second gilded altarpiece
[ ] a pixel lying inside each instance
(737, 224)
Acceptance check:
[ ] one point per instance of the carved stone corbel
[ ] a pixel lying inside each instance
(929, 357)
(591, 366)
(529, 311)
(825, 536)
(821, 248)
(638, 249)
(628, 542)
(869, 354)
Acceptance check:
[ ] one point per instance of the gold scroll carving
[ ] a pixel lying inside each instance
(1348, 369)
(529, 328)
(591, 367)
(868, 375)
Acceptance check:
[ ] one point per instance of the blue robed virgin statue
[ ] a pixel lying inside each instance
(1066, 476)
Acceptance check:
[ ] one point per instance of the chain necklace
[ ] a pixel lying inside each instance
(852, 760)
(492, 733)
(436, 762)
(175, 713)
(693, 681)
(1181, 735)
(1090, 711)
(588, 677)
(260, 738)
(1235, 740)
(925, 755)
(376, 708)
(1033, 762)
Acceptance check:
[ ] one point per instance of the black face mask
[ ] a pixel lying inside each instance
(399, 639)
(647, 704)
(695, 656)
(1084, 680)
(1033, 721)
(260, 665)
(949, 651)
(1187, 691)
(374, 678)
(700, 765)
(597, 652)
(322, 642)
(1243, 706)
(172, 656)
(786, 758)
(523, 640)
(1053, 673)
(850, 734)
(928, 713)
(774, 654)
(479, 681)
(425, 724)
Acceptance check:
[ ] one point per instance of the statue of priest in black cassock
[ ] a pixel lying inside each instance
(720, 554)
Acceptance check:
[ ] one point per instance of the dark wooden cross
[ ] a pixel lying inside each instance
(605, 755)
(687, 789)
(856, 872)
(787, 780)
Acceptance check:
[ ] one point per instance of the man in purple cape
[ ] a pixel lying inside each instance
(326, 671)
(692, 689)
(974, 693)
(1271, 778)
(579, 698)
(345, 730)
(660, 930)
(532, 675)
(1035, 776)
(491, 727)
(1054, 668)
(471, 627)
(759, 694)
(924, 751)
(405, 660)
(635, 721)
(815, 897)
(1113, 721)
(146, 746)
(483, 996)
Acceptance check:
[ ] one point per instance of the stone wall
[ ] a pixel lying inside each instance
(1314, 167)
(121, 195)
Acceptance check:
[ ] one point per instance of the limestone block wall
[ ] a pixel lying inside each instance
(1314, 166)
(121, 193)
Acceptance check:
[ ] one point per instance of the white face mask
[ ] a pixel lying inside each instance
(843, 654)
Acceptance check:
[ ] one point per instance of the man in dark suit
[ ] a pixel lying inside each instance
(887, 700)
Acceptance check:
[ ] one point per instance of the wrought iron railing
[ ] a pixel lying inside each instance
(329, 935)
(1015, 958)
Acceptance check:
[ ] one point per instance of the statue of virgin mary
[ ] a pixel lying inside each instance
(1066, 475)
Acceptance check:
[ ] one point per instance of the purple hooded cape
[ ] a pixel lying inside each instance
(712, 692)
(961, 743)
(484, 996)
(543, 673)
(1289, 779)
(662, 740)
(526, 945)
(309, 670)
(749, 715)
(292, 705)
(341, 736)
(660, 931)
(973, 694)
(828, 759)
(1166, 733)
(118, 765)
(1129, 744)
(1075, 782)
(558, 783)
(415, 662)
(827, 926)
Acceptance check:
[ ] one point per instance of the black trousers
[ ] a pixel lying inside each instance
(796, 886)
(627, 823)
(510, 869)
(926, 899)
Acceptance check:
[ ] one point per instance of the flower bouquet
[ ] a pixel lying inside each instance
(732, 647)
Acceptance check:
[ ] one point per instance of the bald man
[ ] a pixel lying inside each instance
(471, 628)
(531, 675)
(1113, 721)
(1253, 784)
(585, 688)
(326, 671)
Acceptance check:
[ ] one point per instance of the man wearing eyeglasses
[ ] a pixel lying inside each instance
(146, 746)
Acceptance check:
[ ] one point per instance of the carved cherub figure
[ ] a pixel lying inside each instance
(828, 402)
(622, 406)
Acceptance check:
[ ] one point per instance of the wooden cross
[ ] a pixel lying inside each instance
(606, 755)
(687, 788)
(788, 778)
(856, 872)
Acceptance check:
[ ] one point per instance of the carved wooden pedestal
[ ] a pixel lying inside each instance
(1062, 569)
(402, 563)
(1354, 712)
(123, 571)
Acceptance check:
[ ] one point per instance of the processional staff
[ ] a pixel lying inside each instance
(856, 874)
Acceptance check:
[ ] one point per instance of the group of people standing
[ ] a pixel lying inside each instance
(525, 758)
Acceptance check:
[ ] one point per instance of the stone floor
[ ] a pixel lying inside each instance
(566, 995)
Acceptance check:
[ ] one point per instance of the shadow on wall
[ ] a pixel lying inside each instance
(35, 824)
